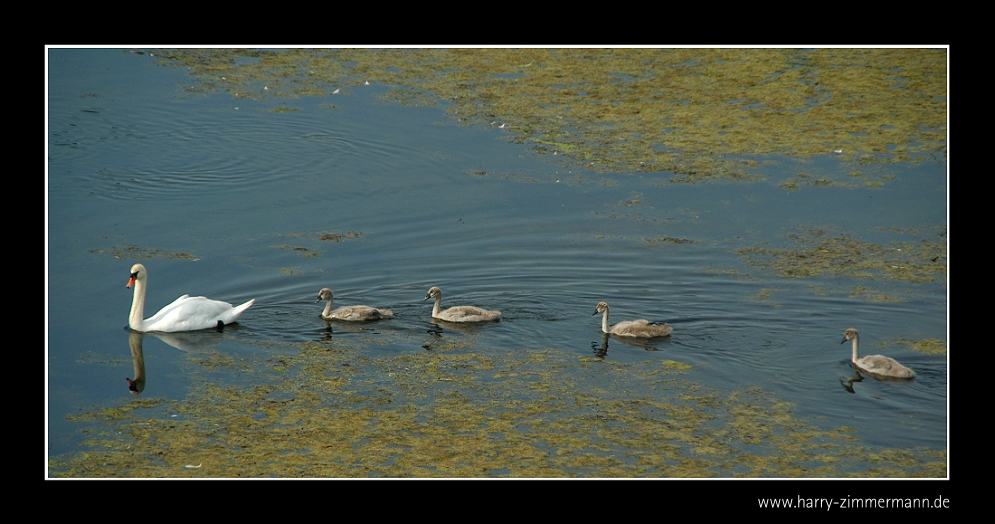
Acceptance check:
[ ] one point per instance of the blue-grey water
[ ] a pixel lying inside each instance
(134, 160)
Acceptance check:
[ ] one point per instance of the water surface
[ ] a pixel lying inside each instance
(229, 199)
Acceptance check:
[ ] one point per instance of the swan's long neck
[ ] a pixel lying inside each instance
(604, 322)
(137, 306)
(438, 306)
(856, 348)
(328, 308)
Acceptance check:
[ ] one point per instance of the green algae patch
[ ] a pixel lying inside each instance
(330, 411)
(675, 365)
(311, 252)
(766, 295)
(134, 252)
(335, 236)
(816, 255)
(667, 240)
(300, 250)
(864, 293)
(122, 412)
(213, 360)
(690, 112)
(854, 179)
(929, 346)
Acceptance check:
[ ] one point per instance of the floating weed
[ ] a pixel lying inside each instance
(929, 346)
(461, 412)
(821, 255)
(867, 294)
(301, 251)
(134, 252)
(216, 359)
(121, 412)
(692, 112)
(675, 365)
(765, 293)
(335, 236)
(668, 240)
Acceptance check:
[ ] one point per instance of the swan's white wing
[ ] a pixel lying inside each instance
(161, 314)
(190, 313)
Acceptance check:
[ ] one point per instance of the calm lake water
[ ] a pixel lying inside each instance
(137, 165)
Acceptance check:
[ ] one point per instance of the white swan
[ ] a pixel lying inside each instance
(876, 364)
(350, 313)
(183, 314)
(631, 328)
(459, 313)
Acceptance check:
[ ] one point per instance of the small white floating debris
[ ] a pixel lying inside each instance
(335, 92)
(838, 151)
(265, 88)
(188, 466)
(223, 78)
(501, 126)
(366, 83)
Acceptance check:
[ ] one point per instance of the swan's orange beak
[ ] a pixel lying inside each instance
(131, 280)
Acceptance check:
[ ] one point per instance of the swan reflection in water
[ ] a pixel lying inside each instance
(860, 374)
(438, 330)
(136, 385)
(188, 342)
(641, 343)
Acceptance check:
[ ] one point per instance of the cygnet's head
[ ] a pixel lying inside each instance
(324, 294)
(435, 292)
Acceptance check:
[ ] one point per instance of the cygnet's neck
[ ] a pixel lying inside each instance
(328, 308)
(438, 305)
(604, 322)
(856, 348)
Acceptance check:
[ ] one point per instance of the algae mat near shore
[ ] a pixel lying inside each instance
(699, 113)
(453, 412)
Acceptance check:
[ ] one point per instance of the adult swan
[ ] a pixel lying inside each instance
(184, 314)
